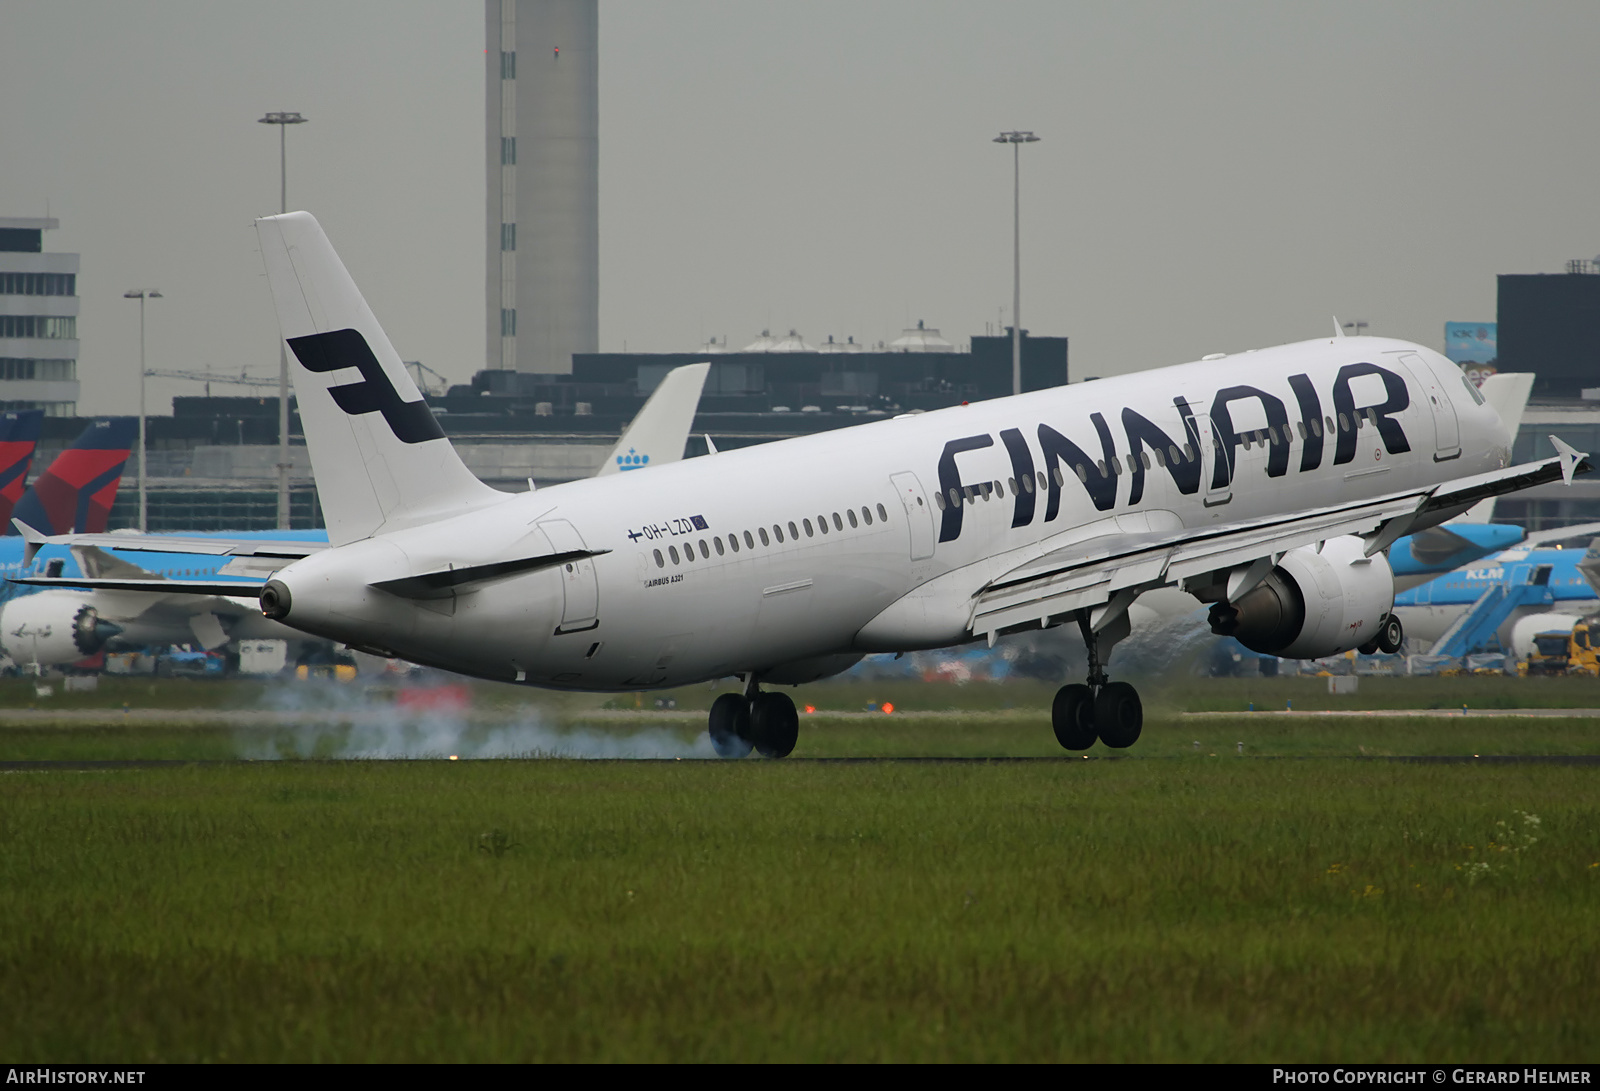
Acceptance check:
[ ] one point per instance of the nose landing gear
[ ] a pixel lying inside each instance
(753, 720)
(1109, 711)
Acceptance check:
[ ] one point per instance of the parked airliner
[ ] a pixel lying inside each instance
(1267, 483)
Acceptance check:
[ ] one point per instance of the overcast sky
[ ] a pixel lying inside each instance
(1212, 176)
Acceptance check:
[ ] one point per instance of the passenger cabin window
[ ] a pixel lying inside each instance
(838, 523)
(777, 532)
(822, 520)
(852, 516)
(883, 516)
(764, 539)
(672, 551)
(751, 542)
(793, 532)
(810, 533)
(733, 540)
(866, 516)
(660, 563)
(718, 543)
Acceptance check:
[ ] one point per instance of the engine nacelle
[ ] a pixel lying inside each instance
(1313, 603)
(53, 628)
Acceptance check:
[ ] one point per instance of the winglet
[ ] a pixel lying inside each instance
(711, 448)
(34, 541)
(1571, 459)
(1338, 330)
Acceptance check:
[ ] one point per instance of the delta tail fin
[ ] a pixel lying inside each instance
(380, 459)
(19, 435)
(660, 431)
(75, 493)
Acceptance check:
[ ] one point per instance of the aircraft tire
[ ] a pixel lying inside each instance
(1072, 716)
(774, 725)
(1391, 635)
(1118, 715)
(729, 725)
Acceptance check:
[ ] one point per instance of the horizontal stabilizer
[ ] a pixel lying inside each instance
(445, 581)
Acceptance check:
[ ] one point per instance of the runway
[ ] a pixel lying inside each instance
(90, 766)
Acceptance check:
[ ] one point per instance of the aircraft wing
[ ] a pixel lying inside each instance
(1561, 534)
(1115, 569)
(243, 589)
(157, 543)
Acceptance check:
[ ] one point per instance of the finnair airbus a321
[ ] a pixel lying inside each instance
(1266, 483)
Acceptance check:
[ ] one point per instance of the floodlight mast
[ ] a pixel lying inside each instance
(283, 119)
(142, 294)
(1016, 138)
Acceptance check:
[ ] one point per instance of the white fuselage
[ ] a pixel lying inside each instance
(792, 602)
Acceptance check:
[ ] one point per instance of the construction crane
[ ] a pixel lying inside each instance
(415, 368)
(208, 377)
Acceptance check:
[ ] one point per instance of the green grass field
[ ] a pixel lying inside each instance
(1176, 904)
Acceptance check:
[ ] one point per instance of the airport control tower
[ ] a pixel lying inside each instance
(543, 156)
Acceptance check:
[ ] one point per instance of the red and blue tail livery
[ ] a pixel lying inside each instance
(75, 494)
(19, 435)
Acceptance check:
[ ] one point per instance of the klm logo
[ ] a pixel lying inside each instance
(320, 353)
(632, 460)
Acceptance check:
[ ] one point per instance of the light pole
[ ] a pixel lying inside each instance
(1016, 139)
(142, 294)
(283, 120)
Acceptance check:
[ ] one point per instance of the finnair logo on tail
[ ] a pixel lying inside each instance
(320, 353)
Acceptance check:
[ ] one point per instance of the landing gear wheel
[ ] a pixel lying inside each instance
(1072, 716)
(730, 726)
(1369, 648)
(774, 725)
(1391, 635)
(1118, 715)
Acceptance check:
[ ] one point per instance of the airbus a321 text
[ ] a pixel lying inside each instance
(1267, 483)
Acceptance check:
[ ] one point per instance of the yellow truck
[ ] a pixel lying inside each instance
(1560, 652)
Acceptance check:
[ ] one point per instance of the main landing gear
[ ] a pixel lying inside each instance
(1104, 710)
(1391, 635)
(764, 722)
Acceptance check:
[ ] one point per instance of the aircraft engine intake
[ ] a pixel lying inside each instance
(1312, 604)
(53, 628)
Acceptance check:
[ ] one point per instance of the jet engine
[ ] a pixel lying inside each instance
(1314, 603)
(53, 628)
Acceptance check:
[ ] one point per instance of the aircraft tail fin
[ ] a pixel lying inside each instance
(380, 459)
(77, 489)
(1508, 394)
(19, 435)
(658, 434)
